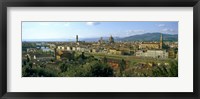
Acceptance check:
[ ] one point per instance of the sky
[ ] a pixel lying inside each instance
(68, 30)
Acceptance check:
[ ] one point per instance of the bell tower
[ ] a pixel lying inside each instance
(76, 38)
(111, 39)
(161, 41)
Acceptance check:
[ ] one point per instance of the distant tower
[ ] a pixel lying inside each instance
(111, 39)
(76, 38)
(101, 40)
(161, 41)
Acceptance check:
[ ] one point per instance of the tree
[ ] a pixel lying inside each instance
(122, 65)
(165, 47)
(105, 60)
(73, 55)
(30, 64)
(28, 58)
(52, 60)
(163, 71)
(99, 69)
(82, 55)
(63, 67)
(24, 63)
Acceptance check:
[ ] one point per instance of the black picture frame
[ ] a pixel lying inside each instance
(99, 3)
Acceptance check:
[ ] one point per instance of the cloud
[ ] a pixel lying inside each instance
(161, 25)
(92, 23)
(135, 31)
(167, 30)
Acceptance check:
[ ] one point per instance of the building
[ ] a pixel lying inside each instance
(152, 53)
(52, 46)
(69, 48)
(61, 48)
(115, 52)
(28, 56)
(152, 45)
(76, 38)
(94, 50)
(34, 57)
(46, 49)
(101, 41)
(171, 53)
(73, 48)
(149, 46)
(31, 50)
(111, 39)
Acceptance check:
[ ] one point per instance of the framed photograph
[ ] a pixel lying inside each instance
(145, 49)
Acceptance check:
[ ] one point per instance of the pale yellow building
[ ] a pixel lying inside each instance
(115, 52)
(152, 45)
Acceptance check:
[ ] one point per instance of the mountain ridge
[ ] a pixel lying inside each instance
(140, 37)
(151, 37)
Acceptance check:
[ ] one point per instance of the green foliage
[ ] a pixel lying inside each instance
(29, 70)
(165, 47)
(26, 45)
(37, 72)
(90, 68)
(174, 69)
(63, 67)
(82, 56)
(105, 60)
(84, 65)
(163, 71)
(28, 59)
(122, 65)
(101, 70)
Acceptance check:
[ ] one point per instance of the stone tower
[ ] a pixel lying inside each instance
(76, 38)
(161, 41)
(111, 39)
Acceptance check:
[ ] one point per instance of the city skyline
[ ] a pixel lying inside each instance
(68, 30)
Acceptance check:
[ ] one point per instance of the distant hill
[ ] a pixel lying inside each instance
(141, 37)
(151, 37)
